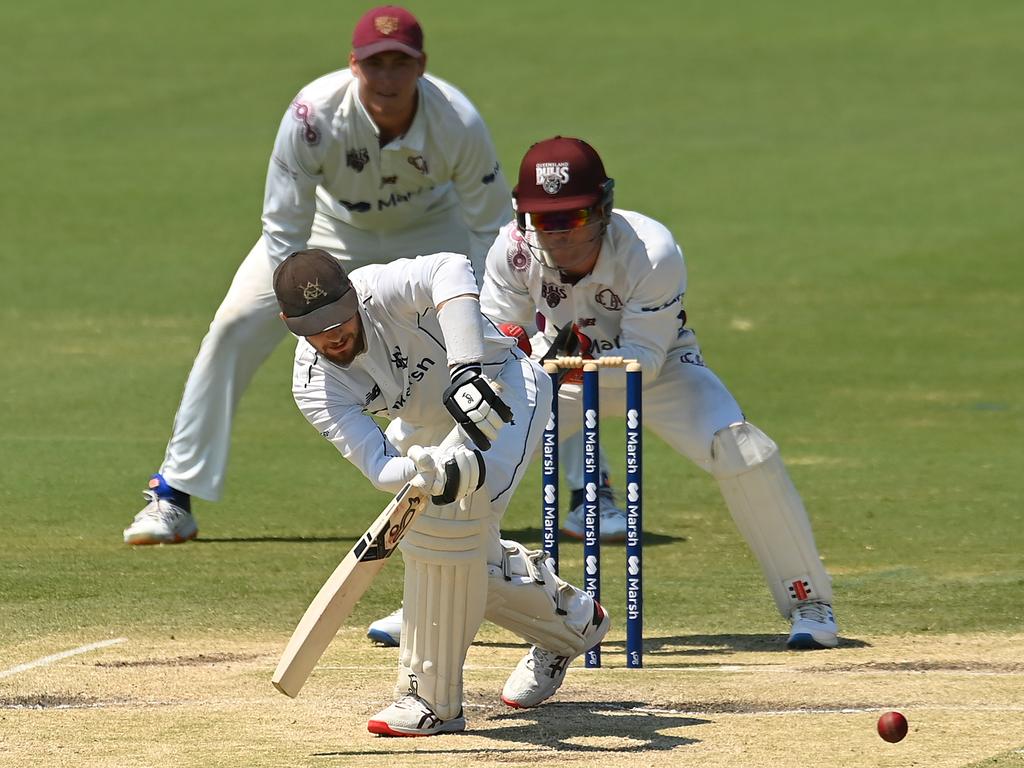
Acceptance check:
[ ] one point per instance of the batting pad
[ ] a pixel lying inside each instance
(443, 606)
(769, 514)
(526, 596)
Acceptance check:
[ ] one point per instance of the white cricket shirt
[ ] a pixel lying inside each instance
(327, 157)
(630, 305)
(404, 370)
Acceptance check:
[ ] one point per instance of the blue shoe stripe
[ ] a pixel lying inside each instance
(382, 637)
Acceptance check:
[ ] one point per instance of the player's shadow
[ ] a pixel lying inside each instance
(528, 536)
(616, 727)
(566, 725)
(532, 536)
(707, 645)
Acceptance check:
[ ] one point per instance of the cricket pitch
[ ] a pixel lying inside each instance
(706, 701)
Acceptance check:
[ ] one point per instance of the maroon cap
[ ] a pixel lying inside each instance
(560, 174)
(387, 28)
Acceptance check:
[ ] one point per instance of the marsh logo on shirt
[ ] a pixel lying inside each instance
(303, 112)
(553, 294)
(357, 159)
(551, 176)
(608, 299)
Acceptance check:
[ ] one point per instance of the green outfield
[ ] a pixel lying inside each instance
(844, 180)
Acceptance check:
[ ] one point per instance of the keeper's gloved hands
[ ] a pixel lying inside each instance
(583, 347)
(473, 402)
(449, 475)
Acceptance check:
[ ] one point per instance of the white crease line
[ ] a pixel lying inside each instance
(730, 669)
(62, 655)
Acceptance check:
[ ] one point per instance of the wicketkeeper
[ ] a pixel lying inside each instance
(407, 341)
(619, 276)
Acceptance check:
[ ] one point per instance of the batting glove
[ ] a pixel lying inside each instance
(474, 404)
(448, 475)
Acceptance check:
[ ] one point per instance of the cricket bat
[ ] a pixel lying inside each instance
(340, 593)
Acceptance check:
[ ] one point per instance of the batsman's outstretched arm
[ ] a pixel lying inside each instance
(340, 593)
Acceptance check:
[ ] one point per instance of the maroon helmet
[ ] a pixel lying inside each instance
(562, 186)
(561, 174)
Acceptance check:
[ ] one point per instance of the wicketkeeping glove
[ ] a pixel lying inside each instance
(448, 475)
(518, 333)
(474, 404)
(583, 345)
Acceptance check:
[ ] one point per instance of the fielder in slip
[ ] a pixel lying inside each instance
(620, 277)
(406, 341)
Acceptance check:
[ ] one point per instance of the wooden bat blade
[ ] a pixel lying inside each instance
(340, 593)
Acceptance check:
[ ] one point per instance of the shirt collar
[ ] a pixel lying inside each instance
(413, 139)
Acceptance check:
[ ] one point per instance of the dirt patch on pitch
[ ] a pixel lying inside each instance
(202, 659)
(48, 701)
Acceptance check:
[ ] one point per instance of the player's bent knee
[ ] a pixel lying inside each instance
(525, 595)
(739, 448)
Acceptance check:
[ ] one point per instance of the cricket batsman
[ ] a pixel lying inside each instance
(406, 341)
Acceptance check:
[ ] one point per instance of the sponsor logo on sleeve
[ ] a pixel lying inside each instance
(666, 305)
(490, 177)
(302, 111)
(517, 255)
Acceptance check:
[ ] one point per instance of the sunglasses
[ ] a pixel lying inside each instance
(561, 221)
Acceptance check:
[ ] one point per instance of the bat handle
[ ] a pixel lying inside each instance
(425, 461)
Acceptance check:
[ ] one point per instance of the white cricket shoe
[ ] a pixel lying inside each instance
(540, 673)
(412, 716)
(161, 522)
(814, 626)
(613, 519)
(387, 631)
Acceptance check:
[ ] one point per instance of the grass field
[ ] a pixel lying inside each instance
(845, 181)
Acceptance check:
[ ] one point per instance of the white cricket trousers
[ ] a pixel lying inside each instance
(246, 329)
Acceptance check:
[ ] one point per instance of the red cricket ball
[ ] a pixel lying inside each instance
(892, 726)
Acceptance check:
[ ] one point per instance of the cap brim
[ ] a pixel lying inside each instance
(385, 45)
(326, 317)
(555, 203)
